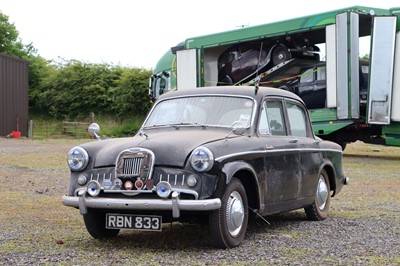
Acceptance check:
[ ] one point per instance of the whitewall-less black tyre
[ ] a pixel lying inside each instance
(95, 223)
(319, 210)
(228, 225)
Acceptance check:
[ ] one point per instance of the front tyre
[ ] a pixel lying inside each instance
(95, 223)
(319, 210)
(228, 224)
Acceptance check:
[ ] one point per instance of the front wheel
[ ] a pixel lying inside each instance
(319, 210)
(228, 224)
(95, 223)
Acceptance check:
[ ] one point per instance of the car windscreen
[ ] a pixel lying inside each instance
(202, 110)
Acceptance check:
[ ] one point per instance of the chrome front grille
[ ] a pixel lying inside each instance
(135, 165)
(132, 166)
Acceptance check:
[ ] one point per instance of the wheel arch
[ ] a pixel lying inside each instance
(330, 171)
(247, 175)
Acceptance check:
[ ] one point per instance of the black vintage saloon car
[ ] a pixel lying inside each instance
(214, 153)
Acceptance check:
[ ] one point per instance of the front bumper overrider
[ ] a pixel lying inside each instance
(83, 201)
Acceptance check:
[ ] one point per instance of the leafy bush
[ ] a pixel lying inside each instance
(131, 93)
(76, 89)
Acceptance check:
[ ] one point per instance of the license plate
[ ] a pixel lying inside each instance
(135, 222)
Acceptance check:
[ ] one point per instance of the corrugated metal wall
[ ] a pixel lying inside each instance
(13, 95)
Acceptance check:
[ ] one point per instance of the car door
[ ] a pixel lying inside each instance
(299, 128)
(306, 87)
(282, 160)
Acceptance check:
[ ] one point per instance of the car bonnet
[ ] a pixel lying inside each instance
(171, 148)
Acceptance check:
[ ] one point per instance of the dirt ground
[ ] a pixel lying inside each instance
(35, 228)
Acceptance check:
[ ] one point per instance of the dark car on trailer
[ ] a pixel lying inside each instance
(310, 85)
(215, 153)
(243, 61)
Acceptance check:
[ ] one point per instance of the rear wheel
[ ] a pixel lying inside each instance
(95, 223)
(228, 224)
(319, 210)
(280, 54)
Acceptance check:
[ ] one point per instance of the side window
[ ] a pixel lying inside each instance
(321, 73)
(297, 120)
(263, 122)
(228, 56)
(275, 118)
(307, 76)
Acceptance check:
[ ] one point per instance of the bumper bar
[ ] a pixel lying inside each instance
(175, 204)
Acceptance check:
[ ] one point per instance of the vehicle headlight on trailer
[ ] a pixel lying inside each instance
(201, 159)
(77, 159)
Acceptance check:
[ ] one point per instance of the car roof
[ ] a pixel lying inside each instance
(257, 93)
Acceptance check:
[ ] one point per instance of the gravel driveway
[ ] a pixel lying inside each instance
(35, 228)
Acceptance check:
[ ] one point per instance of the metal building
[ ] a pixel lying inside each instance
(13, 95)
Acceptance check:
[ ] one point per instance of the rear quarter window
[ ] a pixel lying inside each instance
(297, 120)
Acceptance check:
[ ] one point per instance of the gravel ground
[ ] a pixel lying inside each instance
(36, 229)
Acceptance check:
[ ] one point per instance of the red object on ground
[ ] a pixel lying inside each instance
(16, 134)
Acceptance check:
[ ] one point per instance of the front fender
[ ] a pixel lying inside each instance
(248, 176)
(231, 168)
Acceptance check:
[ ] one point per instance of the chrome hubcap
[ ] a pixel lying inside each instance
(234, 213)
(322, 193)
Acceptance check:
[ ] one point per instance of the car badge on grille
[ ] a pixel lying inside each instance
(139, 184)
(117, 183)
(107, 184)
(128, 185)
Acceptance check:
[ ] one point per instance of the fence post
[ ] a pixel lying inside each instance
(30, 129)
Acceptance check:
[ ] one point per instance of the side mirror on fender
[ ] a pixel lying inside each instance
(93, 130)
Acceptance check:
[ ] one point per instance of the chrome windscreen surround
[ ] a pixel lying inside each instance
(136, 165)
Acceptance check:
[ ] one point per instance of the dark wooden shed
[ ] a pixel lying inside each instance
(14, 102)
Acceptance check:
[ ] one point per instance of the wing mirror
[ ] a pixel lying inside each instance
(238, 128)
(93, 130)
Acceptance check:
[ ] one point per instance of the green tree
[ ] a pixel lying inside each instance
(365, 57)
(131, 96)
(75, 89)
(38, 68)
(10, 42)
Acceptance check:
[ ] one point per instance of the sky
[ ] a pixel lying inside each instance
(138, 33)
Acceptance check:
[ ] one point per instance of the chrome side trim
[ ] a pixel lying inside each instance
(222, 158)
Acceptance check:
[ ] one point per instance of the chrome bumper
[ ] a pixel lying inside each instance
(175, 204)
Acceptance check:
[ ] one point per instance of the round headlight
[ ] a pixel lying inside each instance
(78, 159)
(202, 159)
